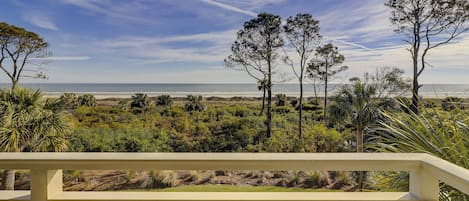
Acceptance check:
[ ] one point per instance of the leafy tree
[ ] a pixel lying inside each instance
(140, 102)
(164, 100)
(302, 31)
(18, 46)
(87, 100)
(27, 126)
(388, 82)
(194, 103)
(327, 64)
(427, 24)
(256, 51)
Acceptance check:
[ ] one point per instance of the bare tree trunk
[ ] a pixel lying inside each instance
(325, 101)
(269, 99)
(315, 90)
(359, 140)
(415, 96)
(263, 102)
(14, 85)
(360, 149)
(415, 55)
(300, 111)
(269, 109)
(8, 180)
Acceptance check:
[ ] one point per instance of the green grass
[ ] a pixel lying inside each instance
(233, 188)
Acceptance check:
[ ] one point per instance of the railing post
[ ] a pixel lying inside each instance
(44, 183)
(423, 185)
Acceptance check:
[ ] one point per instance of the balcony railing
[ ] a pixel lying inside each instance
(47, 180)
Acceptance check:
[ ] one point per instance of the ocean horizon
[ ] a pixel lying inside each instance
(123, 90)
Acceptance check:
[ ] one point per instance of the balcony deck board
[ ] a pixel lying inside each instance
(233, 196)
(14, 195)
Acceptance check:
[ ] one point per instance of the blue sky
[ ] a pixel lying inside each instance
(174, 41)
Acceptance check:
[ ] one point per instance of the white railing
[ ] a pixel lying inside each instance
(47, 180)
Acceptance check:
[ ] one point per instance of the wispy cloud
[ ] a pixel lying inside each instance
(211, 47)
(40, 21)
(110, 9)
(64, 58)
(230, 7)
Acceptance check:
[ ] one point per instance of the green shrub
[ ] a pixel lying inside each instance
(194, 103)
(327, 139)
(309, 107)
(451, 103)
(281, 100)
(294, 102)
(140, 103)
(68, 101)
(281, 109)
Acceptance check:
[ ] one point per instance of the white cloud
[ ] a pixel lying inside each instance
(64, 58)
(153, 50)
(229, 7)
(41, 21)
(111, 9)
(222, 37)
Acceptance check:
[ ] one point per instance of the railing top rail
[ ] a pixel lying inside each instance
(110, 156)
(213, 161)
(424, 164)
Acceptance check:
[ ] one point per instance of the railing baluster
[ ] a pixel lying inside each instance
(38, 184)
(44, 183)
(423, 185)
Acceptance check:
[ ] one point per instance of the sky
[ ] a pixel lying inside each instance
(185, 41)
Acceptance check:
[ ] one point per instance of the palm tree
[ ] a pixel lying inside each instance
(355, 105)
(27, 125)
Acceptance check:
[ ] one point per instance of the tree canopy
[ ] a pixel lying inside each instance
(17, 46)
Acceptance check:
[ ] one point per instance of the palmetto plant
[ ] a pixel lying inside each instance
(281, 100)
(87, 100)
(164, 100)
(27, 125)
(68, 101)
(442, 134)
(194, 103)
(140, 102)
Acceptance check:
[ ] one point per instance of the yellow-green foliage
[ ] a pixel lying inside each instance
(222, 127)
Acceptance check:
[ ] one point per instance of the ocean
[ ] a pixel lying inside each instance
(120, 90)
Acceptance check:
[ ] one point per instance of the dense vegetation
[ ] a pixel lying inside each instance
(197, 126)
